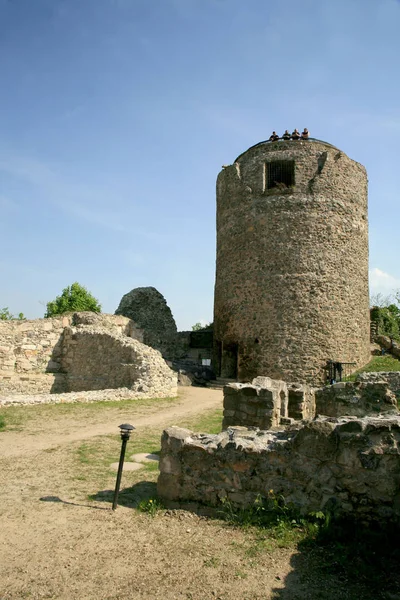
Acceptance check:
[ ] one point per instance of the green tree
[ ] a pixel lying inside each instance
(75, 297)
(200, 327)
(387, 319)
(5, 315)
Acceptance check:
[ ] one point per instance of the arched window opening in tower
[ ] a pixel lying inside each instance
(280, 174)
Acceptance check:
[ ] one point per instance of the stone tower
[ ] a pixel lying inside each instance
(291, 288)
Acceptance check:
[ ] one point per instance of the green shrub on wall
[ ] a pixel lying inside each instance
(73, 298)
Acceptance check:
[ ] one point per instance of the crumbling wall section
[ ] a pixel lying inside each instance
(266, 403)
(43, 356)
(388, 344)
(148, 308)
(347, 465)
(391, 378)
(301, 401)
(95, 358)
(358, 399)
(253, 405)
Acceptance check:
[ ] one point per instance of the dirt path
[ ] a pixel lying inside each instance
(60, 540)
(191, 401)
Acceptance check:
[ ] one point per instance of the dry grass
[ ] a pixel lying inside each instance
(59, 538)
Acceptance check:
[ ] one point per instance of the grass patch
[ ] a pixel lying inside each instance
(151, 467)
(19, 418)
(93, 458)
(12, 419)
(150, 506)
(377, 364)
(350, 551)
(283, 521)
(209, 422)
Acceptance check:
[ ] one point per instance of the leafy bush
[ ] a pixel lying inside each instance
(73, 298)
(5, 315)
(387, 319)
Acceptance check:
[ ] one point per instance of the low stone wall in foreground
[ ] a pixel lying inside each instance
(346, 465)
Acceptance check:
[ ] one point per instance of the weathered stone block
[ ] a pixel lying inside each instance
(168, 486)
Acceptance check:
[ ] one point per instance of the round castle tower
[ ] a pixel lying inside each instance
(291, 288)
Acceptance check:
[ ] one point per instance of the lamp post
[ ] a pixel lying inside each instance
(126, 430)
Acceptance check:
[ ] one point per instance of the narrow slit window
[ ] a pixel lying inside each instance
(280, 174)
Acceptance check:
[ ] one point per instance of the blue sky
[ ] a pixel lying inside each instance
(116, 116)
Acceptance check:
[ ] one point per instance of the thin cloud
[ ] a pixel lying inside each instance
(382, 282)
(88, 204)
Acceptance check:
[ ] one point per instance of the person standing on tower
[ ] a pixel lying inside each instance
(305, 135)
(274, 137)
(286, 135)
(295, 135)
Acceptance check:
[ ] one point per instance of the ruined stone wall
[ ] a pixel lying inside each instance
(148, 308)
(301, 401)
(391, 378)
(358, 399)
(346, 465)
(80, 351)
(266, 403)
(31, 346)
(30, 355)
(252, 405)
(291, 287)
(95, 358)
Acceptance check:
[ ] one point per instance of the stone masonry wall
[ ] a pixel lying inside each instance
(95, 358)
(345, 465)
(31, 346)
(252, 405)
(391, 378)
(79, 351)
(148, 308)
(358, 399)
(30, 355)
(291, 289)
(301, 401)
(266, 403)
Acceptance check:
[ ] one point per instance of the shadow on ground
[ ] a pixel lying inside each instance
(129, 497)
(347, 562)
(58, 500)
